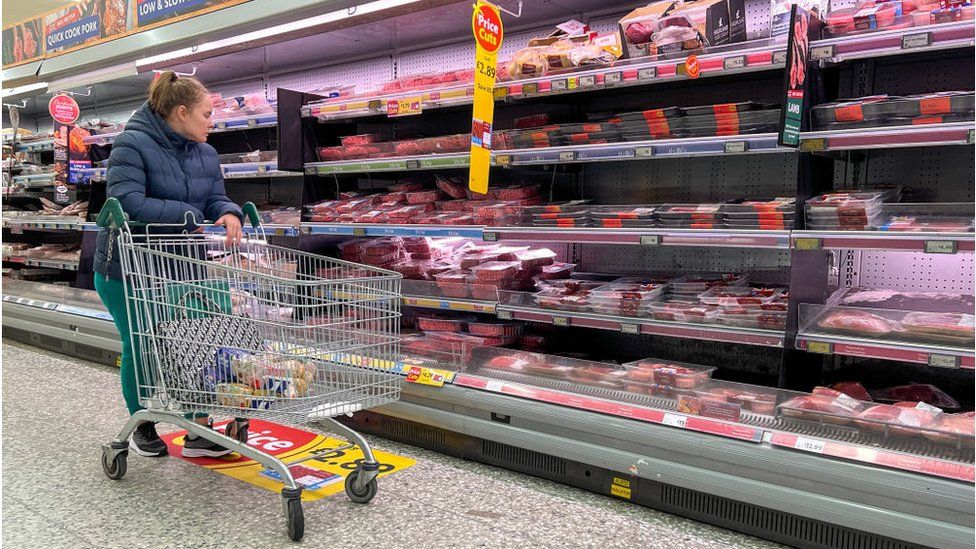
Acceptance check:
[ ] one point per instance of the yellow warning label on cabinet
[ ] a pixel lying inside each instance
(620, 488)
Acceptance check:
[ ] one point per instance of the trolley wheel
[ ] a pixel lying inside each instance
(296, 519)
(114, 468)
(237, 429)
(363, 495)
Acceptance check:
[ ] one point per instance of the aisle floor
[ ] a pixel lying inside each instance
(57, 411)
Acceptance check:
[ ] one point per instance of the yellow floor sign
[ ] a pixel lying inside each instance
(321, 477)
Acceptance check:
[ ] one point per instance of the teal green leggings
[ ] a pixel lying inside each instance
(112, 294)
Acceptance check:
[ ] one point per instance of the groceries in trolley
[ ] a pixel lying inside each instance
(242, 379)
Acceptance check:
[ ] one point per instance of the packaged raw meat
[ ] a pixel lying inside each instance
(917, 392)
(513, 192)
(453, 283)
(452, 187)
(696, 284)
(362, 139)
(530, 260)
(903, 419)
(947, 327)
(627, 292)
(556, 271)
(472, 259)
(753, 318)
(560, 299)
(505, 330)
(495, 271)
(667, 374)
(685, 312)
(739, 296)
(433, 323)
(955, 429)
(857, 322)
(829, 407)
(684, 212)
(423, 197)
(853, 389)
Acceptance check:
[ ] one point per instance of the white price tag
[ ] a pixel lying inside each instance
(735, 62)
(650, 239)
(560, 320)
(809, 445)
(504, 315)
(917, 40)
(674, 420)
(489, 236)
(779, 57)
(613, 78)
(943, 361)
(494, 386)
(736, 147)
(646, 73)
(644, 152)
(822, 52)
(567, 156)
(251, 122)
(588, 80)
(940, 246)
(559, 85)
(630, 328)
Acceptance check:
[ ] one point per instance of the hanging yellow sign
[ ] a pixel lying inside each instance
(486, 24)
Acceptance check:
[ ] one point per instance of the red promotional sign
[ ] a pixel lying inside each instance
(692, 66)
(487, 26)
(64, 109)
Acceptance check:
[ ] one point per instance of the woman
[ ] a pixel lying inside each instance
(161, 168)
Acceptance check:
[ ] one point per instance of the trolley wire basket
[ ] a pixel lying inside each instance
(253, 330)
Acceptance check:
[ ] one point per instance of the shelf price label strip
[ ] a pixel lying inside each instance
(941, 359)
(640, 413)
(449, 304)
(885, 458)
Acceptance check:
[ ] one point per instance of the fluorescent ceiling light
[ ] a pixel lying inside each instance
(324, 19)
(22, 92)
(94, 77)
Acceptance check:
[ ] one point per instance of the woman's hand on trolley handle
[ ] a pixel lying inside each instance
(232, 224)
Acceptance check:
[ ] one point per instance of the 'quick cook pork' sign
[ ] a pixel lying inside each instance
(151, 11)
(65, 29)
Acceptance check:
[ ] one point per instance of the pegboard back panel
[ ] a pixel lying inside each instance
(914, 271)
(935, 174)
(366, 75)
(770, 266)
(928, 74)
(706, 179)
(239, 88)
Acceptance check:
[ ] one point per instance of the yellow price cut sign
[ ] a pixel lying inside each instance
(486, 25)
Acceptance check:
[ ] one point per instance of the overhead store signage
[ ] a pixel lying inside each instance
(23, 42)
(88, 22)
(486, 25)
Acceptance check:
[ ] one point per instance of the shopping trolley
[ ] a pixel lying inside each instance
(253, 330)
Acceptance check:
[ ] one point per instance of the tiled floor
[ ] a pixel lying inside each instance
(57, 411)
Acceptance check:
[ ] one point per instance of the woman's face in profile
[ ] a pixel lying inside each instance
(195, 122)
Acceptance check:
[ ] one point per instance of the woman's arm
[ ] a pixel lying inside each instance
(127, 181)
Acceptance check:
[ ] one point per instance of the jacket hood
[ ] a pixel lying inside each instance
(151, 124)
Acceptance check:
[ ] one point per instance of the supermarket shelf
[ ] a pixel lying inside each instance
(930, 135)
(449, 304)
(649, 236)
(629, 150)
(39, 145)
(255, 169)
(710, 332)
(932, 355)
(267, 120)
(894, 42)
(367, 229)
(637, 150)
(49, 263)
(44, 223)
(26, 194)
(403, 163)
(943, 243)
(758, 55)
(34, 179)
(101, 138)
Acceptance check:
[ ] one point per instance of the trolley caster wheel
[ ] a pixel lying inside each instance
(361, 495)
(296, 519)
(237, 430)
(114, 468)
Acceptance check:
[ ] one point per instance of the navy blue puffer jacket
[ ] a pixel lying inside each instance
(158, 175)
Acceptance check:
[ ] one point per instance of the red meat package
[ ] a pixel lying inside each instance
(903, 418)
(423, 196)
(917, 392)
(495, 271)
(556, 271)
(953, 429)
(513, 192)
(362, 139)
(434, 323)
(852, 389)
(530, 259)
(824, 404)
(451, 186)
(941, 326)
(857, 322)
(405, 187)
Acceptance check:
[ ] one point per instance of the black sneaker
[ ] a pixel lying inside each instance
(201, 447)
(145, 442)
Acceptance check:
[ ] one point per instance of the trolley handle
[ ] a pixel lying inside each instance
(112, 215)
(251, 212)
